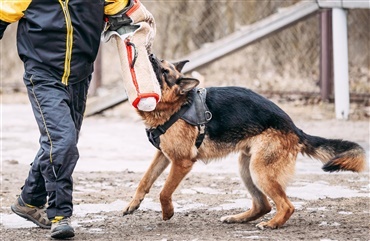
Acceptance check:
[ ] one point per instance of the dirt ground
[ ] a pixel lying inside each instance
(115, 153)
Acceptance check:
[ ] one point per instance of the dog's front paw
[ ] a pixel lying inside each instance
(263, 225)
(228, 219)
(131, 207)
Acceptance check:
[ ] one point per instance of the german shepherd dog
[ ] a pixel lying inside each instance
(242, 121)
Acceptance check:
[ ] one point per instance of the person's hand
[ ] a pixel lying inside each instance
(129, 20)
(119, 20)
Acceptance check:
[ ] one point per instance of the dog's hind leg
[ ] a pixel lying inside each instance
(179, 170)
(260, 204)
(272, 166)
(158, 165)
(284, 208)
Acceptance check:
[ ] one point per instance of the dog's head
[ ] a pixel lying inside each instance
(173, 83)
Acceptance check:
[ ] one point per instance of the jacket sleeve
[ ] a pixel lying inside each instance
(10, 12)
(113, 7)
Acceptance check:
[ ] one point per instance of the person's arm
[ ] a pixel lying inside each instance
(10, 12)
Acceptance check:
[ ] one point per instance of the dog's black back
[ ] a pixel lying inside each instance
(239, 113)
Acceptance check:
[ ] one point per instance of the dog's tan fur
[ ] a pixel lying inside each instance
(267, 160)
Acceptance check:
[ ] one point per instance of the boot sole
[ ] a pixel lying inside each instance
(63, 234)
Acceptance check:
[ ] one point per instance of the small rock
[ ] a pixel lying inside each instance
(12, 162)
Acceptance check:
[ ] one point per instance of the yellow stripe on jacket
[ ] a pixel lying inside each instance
(12, 10)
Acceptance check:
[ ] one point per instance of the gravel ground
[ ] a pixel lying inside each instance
(115, 153)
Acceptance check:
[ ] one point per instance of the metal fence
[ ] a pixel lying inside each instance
(285, 61)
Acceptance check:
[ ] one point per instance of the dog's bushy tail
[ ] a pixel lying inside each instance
(337, 155)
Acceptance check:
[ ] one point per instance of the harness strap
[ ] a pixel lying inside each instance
(195, 113)
(154, 133)
(200, 137)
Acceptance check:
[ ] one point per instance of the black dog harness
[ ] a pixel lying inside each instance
(195, 112)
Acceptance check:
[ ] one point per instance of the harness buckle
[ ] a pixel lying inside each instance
(208, 115)
(202, 129)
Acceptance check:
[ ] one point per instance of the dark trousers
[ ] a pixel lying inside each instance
(58, 110)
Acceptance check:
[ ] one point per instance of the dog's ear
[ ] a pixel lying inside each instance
(180, 65)
(186, 84)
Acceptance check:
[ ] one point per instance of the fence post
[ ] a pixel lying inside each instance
(340, 60)
(326, 54)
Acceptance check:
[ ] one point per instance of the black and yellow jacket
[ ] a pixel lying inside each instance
(58, 37)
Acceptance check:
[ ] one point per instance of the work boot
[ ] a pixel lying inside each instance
(34, 214)
(61, 228)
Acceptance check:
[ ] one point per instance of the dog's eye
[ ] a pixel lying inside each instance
(165, 71)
